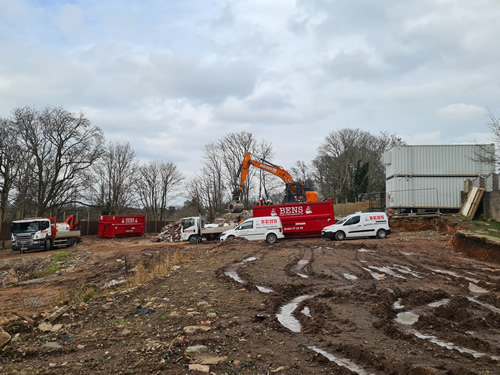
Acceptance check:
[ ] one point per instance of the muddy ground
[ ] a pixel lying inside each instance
(425, 300)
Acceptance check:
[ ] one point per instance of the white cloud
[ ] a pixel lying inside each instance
(170, 77)
(461, 112)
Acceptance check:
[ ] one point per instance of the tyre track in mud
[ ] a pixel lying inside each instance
(350, 304)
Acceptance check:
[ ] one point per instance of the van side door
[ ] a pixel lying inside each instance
(246, 230)
(353, 227)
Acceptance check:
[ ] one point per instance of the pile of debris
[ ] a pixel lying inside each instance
(170, 233)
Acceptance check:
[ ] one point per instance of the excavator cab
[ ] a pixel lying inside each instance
(297, 192)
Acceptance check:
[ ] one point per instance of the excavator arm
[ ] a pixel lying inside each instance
(294, 191)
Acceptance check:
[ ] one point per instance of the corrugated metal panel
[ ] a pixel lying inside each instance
(442, 160)
(424, 192)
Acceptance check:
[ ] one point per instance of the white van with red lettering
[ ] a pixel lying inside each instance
(268, 228)
(360, 224)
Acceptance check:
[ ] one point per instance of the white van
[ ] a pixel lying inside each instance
(360, 224)
(267, 228)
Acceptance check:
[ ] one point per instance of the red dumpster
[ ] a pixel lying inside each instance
(300, 219)
(121, 226)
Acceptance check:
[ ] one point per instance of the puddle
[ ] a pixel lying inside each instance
(297, 268)
(387, 271)
(441, 302)
(363, 251)
(306, 312)
(476, 289)
(397, 305)
(233, 275)
(448, 345)
(340, 361)
(263, 289)
(376, 276)
(231, 270)
(285, 316)
(408, 254)
(406, 318)
(406, 271)
(348, 276)
(488, 306)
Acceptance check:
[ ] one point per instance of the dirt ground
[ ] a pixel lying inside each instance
(424, 300)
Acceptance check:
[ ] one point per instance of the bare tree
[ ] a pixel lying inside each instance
(212, 187)
(11, 161)
(490, 154)
(112, 191)
(61, 147)
(350, 160)
(155, 184)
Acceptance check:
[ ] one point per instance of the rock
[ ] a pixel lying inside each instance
(45, 327)
(212, 315)
(4, 338)
(80, 346)
(11, 277)
(56, 328)
(52, 345)
(192, 329)
(174, 314)
(200, 368)
(125, 332)
(196, 349)
(205, 360)
(281, 368)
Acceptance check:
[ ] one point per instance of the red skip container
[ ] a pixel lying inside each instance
(300, 219)
(121, 226)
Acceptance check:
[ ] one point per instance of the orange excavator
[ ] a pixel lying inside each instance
(295, 191)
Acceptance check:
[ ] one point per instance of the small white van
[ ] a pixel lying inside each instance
(360, 224)
(267, 228)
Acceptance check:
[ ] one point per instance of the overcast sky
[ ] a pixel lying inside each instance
(170, 76)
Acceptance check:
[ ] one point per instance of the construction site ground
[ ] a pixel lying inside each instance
(424, 300)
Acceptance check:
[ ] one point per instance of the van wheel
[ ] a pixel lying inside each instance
(194, 239)
(229, 237)
(47, 245)
(381, 233)
(340, 236)
(271, 238)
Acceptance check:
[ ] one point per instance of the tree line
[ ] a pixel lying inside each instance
(52, 159)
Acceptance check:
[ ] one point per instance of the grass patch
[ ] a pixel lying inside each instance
(54, 267)
(60, 256)
(160, 265)
(77, 294)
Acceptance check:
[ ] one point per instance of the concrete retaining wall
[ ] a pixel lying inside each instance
(491, 205)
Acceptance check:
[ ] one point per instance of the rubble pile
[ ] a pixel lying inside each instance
(170, 233)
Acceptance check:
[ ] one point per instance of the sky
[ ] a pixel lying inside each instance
(171, 76)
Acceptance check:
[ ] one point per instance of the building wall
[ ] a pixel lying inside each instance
(438, 161)
(491, 205)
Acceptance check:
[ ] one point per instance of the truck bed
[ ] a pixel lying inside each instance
(217, 230)
(67, 233)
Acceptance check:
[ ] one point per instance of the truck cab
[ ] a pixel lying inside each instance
(43, 233)
(191, 229)
(31, 234)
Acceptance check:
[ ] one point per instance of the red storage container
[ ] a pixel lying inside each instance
(121, 226)
(300, 219)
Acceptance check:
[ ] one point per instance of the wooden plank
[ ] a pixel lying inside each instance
(468, 202)
(475, 203)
